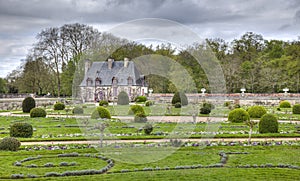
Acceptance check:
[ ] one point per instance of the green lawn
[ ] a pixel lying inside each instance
(75, 129)
(185, 156)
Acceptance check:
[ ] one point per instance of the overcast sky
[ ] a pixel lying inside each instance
(21, 20)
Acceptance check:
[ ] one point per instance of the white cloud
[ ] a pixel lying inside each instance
(22, 20)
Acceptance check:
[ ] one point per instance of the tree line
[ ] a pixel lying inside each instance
(251, 62)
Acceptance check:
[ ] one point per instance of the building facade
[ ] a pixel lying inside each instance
(105, 80)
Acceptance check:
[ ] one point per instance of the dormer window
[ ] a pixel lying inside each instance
(97, 81)
(89, 82)
(129, 81)
(114, 81)
(98, 73)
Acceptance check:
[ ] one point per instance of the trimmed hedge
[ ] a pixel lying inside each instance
(141, 99)
(238, 115)
(256, 111)
(103, 103)
(37, 112)
(181, 98)
(59, 106)
(285, 104)
(10, 143)
(123, 98)
(28, 104)
(101, 112)
(134, 109)
(22, 130)
(77, 110)
(268, 124)
(296, 109)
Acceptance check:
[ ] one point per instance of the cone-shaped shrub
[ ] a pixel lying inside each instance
(27, 104)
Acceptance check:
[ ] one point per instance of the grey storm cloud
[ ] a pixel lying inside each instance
(21, 20)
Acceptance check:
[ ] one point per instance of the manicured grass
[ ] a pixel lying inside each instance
(185, 156)
(75, 129)
(224, 174)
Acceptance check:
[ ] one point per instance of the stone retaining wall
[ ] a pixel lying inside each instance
(16, 103)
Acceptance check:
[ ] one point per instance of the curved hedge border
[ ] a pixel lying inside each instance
(109, 165)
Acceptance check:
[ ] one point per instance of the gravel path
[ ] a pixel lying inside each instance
(157, 141)
(150, 118)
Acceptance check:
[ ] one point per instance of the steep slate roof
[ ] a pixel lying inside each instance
(118, 71)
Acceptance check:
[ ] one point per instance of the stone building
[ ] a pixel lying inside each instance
(105, 80)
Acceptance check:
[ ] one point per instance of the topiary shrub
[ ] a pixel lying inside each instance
(268, 124)
(59, 106)
(10, 143)
(103, 103)
(37, 112)
(28, 104)
(22, 130)
(256, 111)
(140, 99)
(123, 98)
(149, 103)
(209, 105)
(134, 109)
(177, 105)
(140, 117)
(238, 116)
(296, 109)
(285, 104)
(180, 97)
(100, 112)
(205, 110)
(227, 104)
(148, 128)
(77, 110)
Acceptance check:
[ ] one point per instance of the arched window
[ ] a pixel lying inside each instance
(97, 81)
(89, 82)
(129, 81)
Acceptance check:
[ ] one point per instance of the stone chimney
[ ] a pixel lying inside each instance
(126, 62)
(87, 65)
(110, 62)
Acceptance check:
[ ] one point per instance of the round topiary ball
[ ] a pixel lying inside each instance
(101, 112)
(285, 104)
(205, 110)
(180, 97)
(256, 111)
(37, 112)
(134, 109)
(238, 115)
(141, 99)
(268, 124)
(296, 109)
(59, 106)
(27, 104)
(123, 98)
(10, 143)
(21, 130)
(148, 128)
(77, 110)
(103, 103)
(149, 103)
